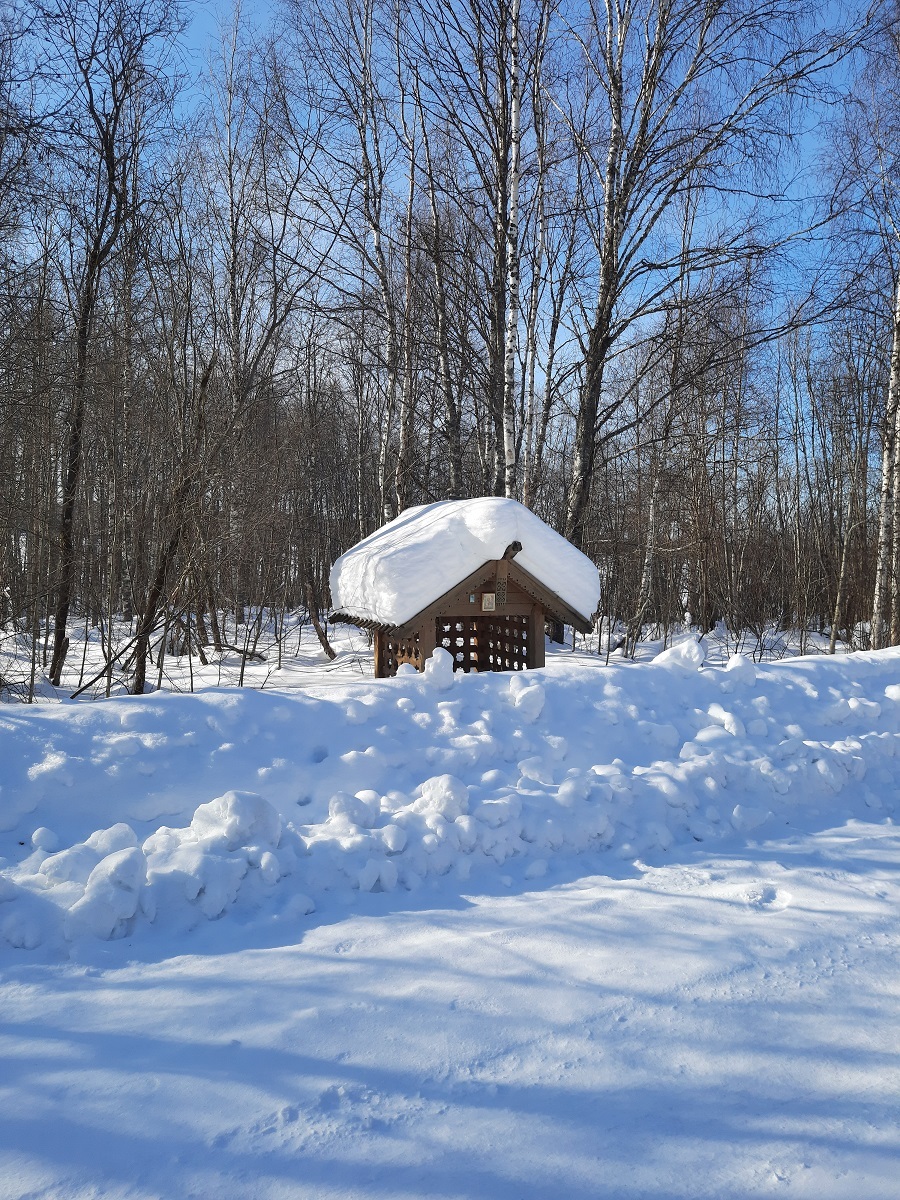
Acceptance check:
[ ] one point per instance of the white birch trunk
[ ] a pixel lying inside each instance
(894, 589)
(647, 573)
(451, 408)
(839, 598)
(531, 432)
(401, 479)
(886, 531)
(529, 441)
(512, 261)
(373, 173)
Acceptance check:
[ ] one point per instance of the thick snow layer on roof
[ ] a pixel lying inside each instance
(408, 563)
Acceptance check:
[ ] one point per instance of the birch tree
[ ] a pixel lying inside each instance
(887, 552)
(868, 160)
(473, 61)
(107, 62)
(679, 95)
(349, 57)
(509, 223)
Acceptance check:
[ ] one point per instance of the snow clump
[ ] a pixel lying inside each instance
(439, 669)
(687, 655)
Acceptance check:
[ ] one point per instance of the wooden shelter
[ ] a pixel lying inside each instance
(477, 577)
(493, 620)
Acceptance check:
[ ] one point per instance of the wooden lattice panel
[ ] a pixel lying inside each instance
(399, 650)
(485, 643)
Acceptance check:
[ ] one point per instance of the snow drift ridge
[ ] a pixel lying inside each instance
(494, 768)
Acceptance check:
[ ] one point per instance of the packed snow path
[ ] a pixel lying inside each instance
(614, 933)
(721, 1027)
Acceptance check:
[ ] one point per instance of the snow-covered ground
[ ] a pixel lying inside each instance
(625, 931)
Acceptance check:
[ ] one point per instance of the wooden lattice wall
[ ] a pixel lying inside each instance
(494, 643)
(391, 652)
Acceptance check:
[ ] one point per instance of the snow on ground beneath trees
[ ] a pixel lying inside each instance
(403, 567)
(623, 931)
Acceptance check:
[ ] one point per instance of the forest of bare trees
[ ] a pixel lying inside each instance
(635, 263)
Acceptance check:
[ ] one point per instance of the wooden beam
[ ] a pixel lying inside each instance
(536, 651)
(500, 579)
(427, 639)
(380, 672)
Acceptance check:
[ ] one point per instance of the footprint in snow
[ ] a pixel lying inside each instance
(358, 1105)
(766, 896)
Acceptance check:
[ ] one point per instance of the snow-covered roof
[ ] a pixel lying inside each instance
(409, 563)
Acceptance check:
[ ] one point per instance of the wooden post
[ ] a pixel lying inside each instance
(536, 656)
(380, 672)
(427, 640)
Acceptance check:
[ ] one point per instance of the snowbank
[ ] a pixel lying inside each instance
(387, 785)
(408, 563)
(733, 999)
